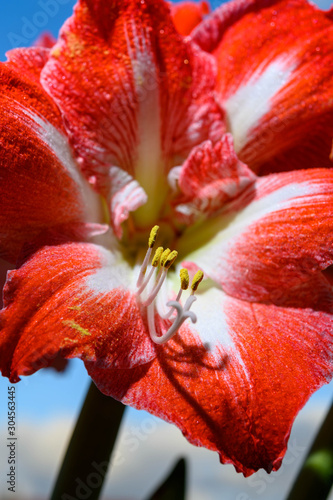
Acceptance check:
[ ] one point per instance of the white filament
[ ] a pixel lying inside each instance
(144, 268)
(182, 313)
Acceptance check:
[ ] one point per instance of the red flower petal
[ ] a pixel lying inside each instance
(125, 196)
(46, 40)
(71, 300)
(210, 177)
(279, 240)
(4, 267)
(187, 15)
(133, 92)
(40, 186)
(275, 80)
(29, 62)
(242, 398)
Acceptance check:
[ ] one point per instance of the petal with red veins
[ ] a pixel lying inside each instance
(40, 185)
(241, 397)
(29, 62)
(210, 177)
(4, 268)
(71, 300)
(125, 195)
(280, 238)
(275, 80)
(134, 93)
(45, 40)
(187, 15)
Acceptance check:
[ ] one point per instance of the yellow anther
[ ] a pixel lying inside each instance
(164, 256)
(184, 279)
(170, 259)
(157, 257)
(153, 236)
(198, 277)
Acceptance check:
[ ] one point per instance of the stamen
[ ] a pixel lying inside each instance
(164, 260)
(164, 256)
(154, 263)
(172, 256)
(198, 277)
(153, 236)
(184, 279)
(189, 302)
(184, 282)
(151, 243)
(157, 257)
(182, 313)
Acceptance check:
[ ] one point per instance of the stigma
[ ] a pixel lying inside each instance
(152, 275)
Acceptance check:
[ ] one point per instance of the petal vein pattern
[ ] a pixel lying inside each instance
(126, 195)
(138, 95)
(58, 145)
(261, 50)
(209, 395)
(218, 341)
(41, 188)
(275, 242)
(253, 99)
(210, 177)
(73, 299)
(148, 155)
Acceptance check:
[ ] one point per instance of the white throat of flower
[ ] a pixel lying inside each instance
(158, 266)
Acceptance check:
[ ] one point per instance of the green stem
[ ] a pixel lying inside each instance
(88, 455)
(174, 486)
(316, 475)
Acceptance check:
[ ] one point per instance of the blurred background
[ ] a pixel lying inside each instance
(48, 403)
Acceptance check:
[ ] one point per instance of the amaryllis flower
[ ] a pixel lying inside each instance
(129, 138)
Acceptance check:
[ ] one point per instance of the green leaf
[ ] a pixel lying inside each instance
(316, 475)
(88, 455)
(173, 488)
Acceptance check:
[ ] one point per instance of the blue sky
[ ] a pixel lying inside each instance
(21, 21)
(47, 395)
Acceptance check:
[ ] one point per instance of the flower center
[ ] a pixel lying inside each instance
(152, 275)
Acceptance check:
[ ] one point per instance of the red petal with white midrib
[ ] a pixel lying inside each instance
(40, 186)
(135, 94)
(242, 401)
(279, 239)
(71, 300)
(275, 80)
